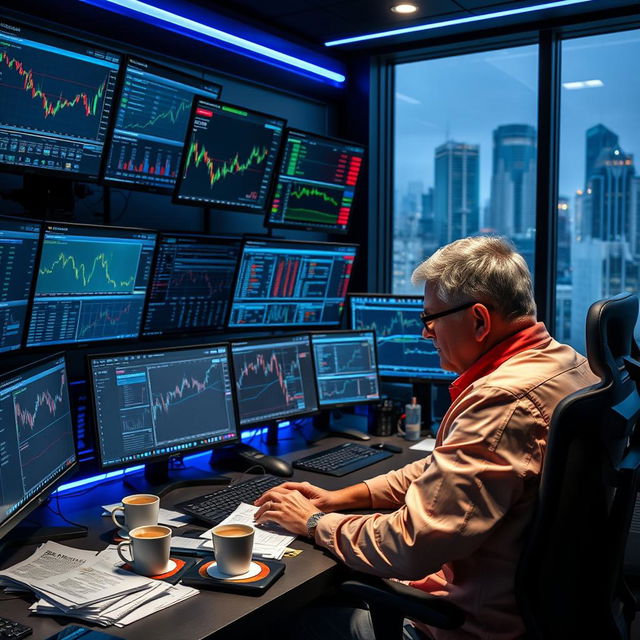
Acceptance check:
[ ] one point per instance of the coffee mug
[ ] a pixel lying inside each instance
(150, 547)
(233, 546)
(139, 510)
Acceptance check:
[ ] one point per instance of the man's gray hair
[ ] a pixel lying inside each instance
(485, 269)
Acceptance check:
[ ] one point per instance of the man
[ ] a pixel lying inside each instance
(461, 513)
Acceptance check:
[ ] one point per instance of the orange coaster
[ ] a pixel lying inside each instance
(179, 565)
(264, 572)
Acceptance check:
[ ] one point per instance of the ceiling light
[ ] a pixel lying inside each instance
(405, 7)
(583, 84)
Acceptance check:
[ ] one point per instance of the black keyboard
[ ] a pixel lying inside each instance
(213, 508)
(340, 460)
(10, 630)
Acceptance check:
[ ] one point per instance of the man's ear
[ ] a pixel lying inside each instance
(481, 322)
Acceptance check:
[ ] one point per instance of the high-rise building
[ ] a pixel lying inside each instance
(598, 138)
(513, 181)
(456, 201)
(564, 241)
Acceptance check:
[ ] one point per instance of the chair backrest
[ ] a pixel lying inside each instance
(569, 582)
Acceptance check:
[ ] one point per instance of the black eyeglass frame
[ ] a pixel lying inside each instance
(428, 317)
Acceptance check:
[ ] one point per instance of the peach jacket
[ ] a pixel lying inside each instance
(460, 513)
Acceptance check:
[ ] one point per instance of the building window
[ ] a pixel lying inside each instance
(599, 197)
(465, 153)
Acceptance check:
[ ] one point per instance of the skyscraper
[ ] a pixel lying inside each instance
(456, 201)
(513, 181)
(598, 138)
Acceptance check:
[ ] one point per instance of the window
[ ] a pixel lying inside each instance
(465, 153)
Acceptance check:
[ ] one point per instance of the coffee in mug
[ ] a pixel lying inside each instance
(233, 547)
(139, 510)
(149, 547)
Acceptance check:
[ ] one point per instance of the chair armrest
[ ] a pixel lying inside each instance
(395, 597)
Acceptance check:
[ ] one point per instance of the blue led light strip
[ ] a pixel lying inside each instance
(146, 11)
(456, 21)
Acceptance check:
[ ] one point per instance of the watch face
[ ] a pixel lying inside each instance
(312, 523)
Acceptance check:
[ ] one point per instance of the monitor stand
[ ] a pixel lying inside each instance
(334, 422)
(158, 480)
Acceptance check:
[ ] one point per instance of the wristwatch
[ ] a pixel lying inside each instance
(312, 523)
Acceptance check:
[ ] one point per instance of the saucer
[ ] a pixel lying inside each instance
(214, 572)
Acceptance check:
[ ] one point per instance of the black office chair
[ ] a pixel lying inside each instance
(569, 581)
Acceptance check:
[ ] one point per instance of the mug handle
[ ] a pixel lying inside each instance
(118, 524)
(120, 546)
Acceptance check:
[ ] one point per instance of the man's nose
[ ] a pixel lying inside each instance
(427, 334)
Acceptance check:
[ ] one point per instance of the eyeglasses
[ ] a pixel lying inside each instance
(428, 317)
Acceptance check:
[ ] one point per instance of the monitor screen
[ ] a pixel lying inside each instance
(286, 283)
(150, 125)
(150, 405)
(346, 367)
(192, 284)
(91, 284)
(229, 157)
(274, 378)
(55, 102)
(402, 351)
(18, 248)
(36, 436)
(316, 183)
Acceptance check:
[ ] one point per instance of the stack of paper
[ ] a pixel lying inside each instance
(268, 542)
(80, 584)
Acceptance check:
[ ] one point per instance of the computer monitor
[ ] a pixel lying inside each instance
(90, 284)
(152, 405)
(192, 284)
(316, 183)
(346, 368)
(56, 98)
(284, 283)
(229, 157)
(36, 437)
(150, 125)
(18, 248)
(402, 351)
(274, 378)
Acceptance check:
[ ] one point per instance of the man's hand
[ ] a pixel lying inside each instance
(322, 499)
(290, 509)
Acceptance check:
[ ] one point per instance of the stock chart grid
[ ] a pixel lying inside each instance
(230, 157)
(151, 124)
(274, 378)
(402, 351)
(286, 284)
(56, 101)
(192, 284)
(151, 404)
(316, 183)
(91, 284)
(346, 367)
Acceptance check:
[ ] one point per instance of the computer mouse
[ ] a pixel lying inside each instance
(270, 464)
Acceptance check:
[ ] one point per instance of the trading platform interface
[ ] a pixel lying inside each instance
(230, 156)
(192, 283)
(274, 378)
(316, 183)
(36, 434)
(151, 124)
(18, 248)
(287, 284)
(402, 351)
(56, 101)
(346, 367)
(91, 284)
(160, 403)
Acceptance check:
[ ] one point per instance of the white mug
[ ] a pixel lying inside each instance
(139, 510)
(150, 547)
(233, 546)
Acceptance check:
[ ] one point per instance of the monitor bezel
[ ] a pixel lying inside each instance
(40, 497)
(280, 327)
(132, 186)
(183, 333)
(90, 343)
(57, 173)
(411, 379)
(216, 205)
(267, 339)
(268, 224)
(338, 405)
(162, 456)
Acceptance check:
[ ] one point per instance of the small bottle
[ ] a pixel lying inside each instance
(412, 420)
